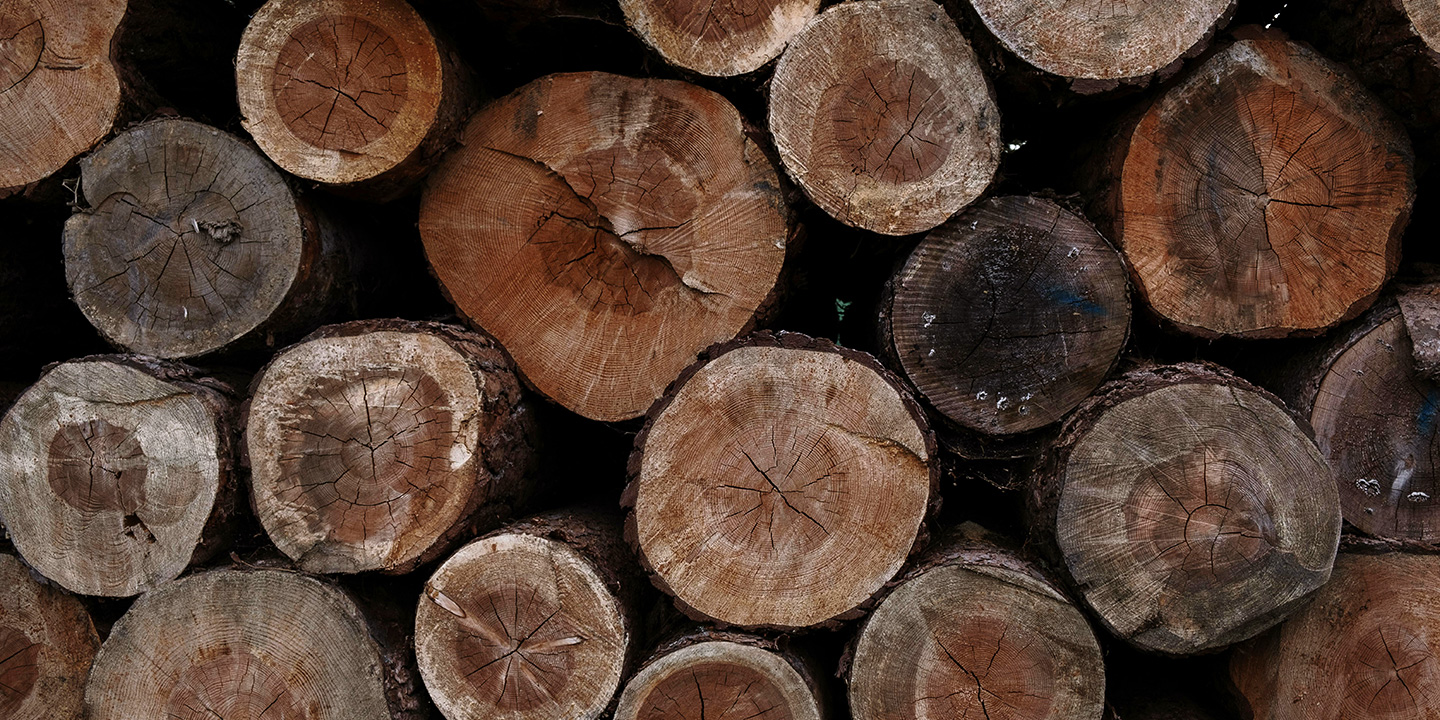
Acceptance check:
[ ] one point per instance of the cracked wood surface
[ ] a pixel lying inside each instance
(119, 473)
(721, 676)
(780, 483)
(1189, 508)
(1007, 316)
(59, 89)
(47, 643)
(881, 114)
(718, 37)
(377, 445)
(605, 230)
(1362, 649)
(1265, 195)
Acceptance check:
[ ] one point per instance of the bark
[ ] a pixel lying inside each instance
(121, 473)
(880, 112)
(47, 643)
(1189, 508)
(606, 230)
(381, 444)
(537, 620)
(362, 97)
(715, 39)
(780, 483)
(192, 242)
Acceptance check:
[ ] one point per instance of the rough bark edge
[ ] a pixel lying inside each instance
(791, 341)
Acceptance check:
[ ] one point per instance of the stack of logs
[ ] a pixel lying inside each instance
(578, 359)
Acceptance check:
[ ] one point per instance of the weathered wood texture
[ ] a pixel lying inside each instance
(880, 112)
(191, 242)
(1263, 196)
(380, 444)
(723, 675)
(538, 620)
(722, 39)
(47, 643)
(780, 483)
(1189, 508)
(606, 230)
(118, 473)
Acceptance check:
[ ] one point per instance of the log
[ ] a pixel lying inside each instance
(1189, 508)
(736, 675)
(246, 644)
(746, 534)
(715, 39)
(1263, 196)
(1361, 649)
(538, 620)
(60, 90)
(606, 230)
(836, 114)
(1008, 315)
(359, 95)
(118, 473)
(1098, 46)
(47, 643)
(191, 242)
(975, 630)
(381, 444)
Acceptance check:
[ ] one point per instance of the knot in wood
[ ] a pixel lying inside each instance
(339, 82)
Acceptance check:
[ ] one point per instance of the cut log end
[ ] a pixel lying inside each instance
(55, 55)
(781, 485)
(1007, 316)
(715, 39)
(886, 136)
(47, 643)
(606, 230)
(1308, 185)
(115, 474)
(254, 644)
(1425, 19)
(192, 239)
(1193, 512)
(367, 449)
(339, 92)
(738, 679)
(520, 627)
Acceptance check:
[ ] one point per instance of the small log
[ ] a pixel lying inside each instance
(606, 230)
(193, 242)
(1100, 45)
(359, 95)
(1361, 649)
(881, 114)
(1008, 316)
(47, 643)
(737, 676)
(780, 483)
(246, 644)
(536, 621)
(975, 630)
(380, 444)
(118, 473)
(715, 39)
(1263, 196)
(1189, 508)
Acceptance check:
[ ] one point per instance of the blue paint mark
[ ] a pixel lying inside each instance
(1426, 418)
(1061, 295)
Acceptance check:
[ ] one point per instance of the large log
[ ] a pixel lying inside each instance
(380, 444)
(1361, 650)
(715, 39)
(536, 621)
(737, 676)
(1007, 316)
(355, 94)
(47, 643)
(192, 242)
(881, 114)
(1189, 508)
(1262, 196)
(606, 230)
(975, 630)
(118, 473)
(248, 644)
(780, 483)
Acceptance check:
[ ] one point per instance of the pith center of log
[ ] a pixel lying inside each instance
(770, 490)
(890, 122)
(339, 82)
(989, 669)
(516, 643)
(235, 684)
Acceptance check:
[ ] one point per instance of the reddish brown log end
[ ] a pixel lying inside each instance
(47, 643)
(718, 679)
(718, 37)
